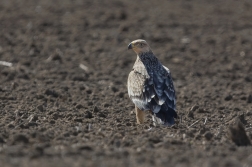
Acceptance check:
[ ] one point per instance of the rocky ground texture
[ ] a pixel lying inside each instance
(64, 102)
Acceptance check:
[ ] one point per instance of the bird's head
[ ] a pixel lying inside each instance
(139, 46)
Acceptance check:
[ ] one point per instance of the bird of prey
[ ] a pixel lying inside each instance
(150, 86)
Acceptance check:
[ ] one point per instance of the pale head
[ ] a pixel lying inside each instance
(139, 46)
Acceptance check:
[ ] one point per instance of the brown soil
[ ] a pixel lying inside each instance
(55, 113)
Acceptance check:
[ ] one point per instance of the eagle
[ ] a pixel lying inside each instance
(150, 86)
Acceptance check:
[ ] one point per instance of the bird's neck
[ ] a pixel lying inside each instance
(148, 59)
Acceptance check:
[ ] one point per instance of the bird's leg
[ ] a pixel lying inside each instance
(139, 115)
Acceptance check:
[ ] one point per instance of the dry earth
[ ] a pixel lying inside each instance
(64, 101)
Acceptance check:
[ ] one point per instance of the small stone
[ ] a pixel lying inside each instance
(248, 79)
(120, 94)
(52, 122)
(190, 114)
(208, 135)
(238, 134)
(114, 89)
(248, 113)
(237, 109)
(123, 16)
(176, 142)
(106, 105)
(124, 28)
(79, 78)
(242, 119)
(32, 124)
(102, 115)
(10, 125)
(243, 98)
(89, 91)
(88, 114)
(40, 96)
(82, 87)
(51, 93)
(228, 97)
(249, 100)
(128, 124)
(20, 138)
(1, 140)
(202, 110)
(95, 109)
(78, 120)
(155, 140)
(55, 116)
(40, 108)
(79, 106)
(85, 147)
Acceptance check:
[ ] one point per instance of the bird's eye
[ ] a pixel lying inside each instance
(141, 44)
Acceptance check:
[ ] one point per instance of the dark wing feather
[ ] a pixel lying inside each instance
(169, 90)
(163, 89)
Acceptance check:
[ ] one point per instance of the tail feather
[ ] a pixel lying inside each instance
(165, 116)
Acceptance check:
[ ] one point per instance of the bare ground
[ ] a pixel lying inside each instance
(64, 101)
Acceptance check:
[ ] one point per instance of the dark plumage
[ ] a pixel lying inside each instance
(150, 86)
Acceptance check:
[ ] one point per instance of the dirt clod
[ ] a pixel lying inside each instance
(208, 135)
(238, 134)
(20, 138)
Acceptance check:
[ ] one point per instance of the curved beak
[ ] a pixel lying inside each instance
(130, 46)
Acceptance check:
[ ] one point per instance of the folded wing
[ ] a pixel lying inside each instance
(152, 91)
